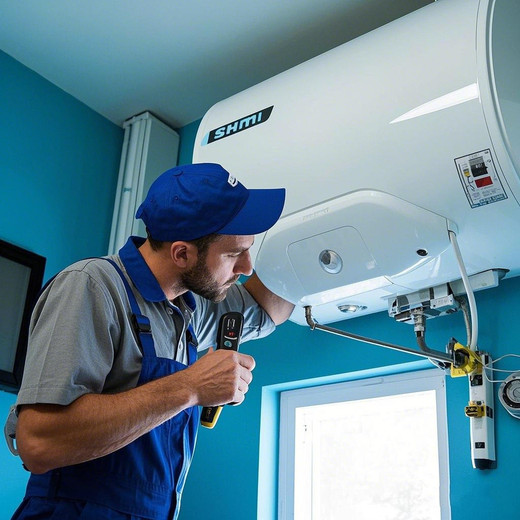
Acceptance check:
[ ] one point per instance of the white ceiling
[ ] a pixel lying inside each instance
(177, 58)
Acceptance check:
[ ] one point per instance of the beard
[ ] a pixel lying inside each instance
(200, 281)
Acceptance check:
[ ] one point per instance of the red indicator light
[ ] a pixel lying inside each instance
(485, 181)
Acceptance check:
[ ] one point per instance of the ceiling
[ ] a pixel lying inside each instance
(176, 58)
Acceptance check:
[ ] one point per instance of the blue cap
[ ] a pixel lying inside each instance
(191, 201)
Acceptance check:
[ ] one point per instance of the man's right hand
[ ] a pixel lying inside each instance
(221, 377)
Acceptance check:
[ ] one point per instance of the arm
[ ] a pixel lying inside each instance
(51, 436)
(278, 309)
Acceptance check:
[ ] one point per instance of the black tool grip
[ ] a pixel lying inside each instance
(228, 337)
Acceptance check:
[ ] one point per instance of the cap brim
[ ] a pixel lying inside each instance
(260, 212)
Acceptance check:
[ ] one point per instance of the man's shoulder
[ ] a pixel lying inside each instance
(97, 270)
(94, 265)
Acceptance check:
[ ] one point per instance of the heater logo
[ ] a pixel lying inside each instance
(239, 125)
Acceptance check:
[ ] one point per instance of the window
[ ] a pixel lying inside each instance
(373, 448)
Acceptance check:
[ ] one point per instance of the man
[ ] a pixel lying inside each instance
(109, 405)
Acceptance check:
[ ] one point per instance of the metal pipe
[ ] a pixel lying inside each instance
(430, 354)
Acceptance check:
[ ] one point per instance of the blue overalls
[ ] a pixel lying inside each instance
(141, 480)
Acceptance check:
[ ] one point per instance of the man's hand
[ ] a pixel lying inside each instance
(221, 377)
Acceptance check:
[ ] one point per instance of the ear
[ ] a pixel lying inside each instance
(183, 254)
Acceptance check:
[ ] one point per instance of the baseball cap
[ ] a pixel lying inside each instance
(191, 201)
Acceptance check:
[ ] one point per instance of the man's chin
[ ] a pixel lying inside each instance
(221, 296)
(215, 296)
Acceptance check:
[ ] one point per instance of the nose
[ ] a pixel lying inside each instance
(244, 265)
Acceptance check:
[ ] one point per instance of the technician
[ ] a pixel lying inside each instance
(108, 410)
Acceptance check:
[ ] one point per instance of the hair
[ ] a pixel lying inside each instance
(201, 243)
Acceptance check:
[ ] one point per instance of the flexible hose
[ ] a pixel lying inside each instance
(472, 340)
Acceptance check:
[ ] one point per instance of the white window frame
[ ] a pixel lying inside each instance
(423, 380)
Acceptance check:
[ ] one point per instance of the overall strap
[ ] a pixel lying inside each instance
(140, 322)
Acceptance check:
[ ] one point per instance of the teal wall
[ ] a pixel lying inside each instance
(59, 163)
(224, 478)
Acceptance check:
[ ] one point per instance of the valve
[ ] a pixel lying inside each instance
(466, 361)
(475, 409)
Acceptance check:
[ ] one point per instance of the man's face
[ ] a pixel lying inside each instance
(220, 267)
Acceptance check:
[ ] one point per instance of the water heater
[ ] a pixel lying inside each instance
(384, 144)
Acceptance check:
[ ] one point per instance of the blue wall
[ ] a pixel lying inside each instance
(226, 465)
(59, 163)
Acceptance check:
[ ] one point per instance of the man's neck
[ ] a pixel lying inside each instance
(159, 262)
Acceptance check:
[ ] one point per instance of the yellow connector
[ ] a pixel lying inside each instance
(475, 409)
(472, 361)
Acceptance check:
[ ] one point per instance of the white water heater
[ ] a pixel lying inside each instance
(384, 144)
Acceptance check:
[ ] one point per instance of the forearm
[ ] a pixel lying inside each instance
(94, 425)
(52, 436)
(278, 309)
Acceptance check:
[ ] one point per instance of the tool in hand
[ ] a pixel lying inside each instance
(228, 337)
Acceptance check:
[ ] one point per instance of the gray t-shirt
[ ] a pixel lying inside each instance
(82, 339)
